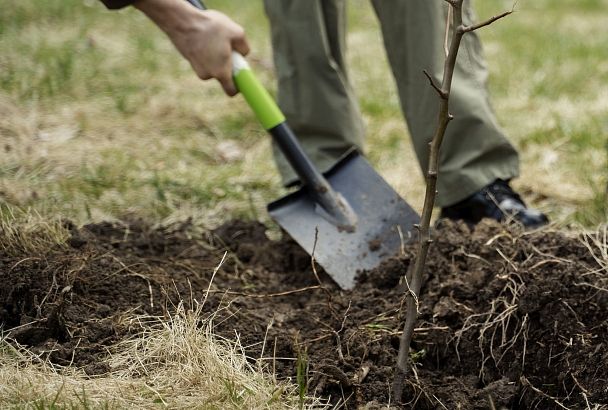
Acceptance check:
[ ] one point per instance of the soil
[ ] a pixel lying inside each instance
(507, 319)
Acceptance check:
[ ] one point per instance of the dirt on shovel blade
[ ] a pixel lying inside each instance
(507, 320)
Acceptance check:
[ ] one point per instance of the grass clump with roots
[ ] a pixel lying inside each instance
(175, 362)
(28, 233)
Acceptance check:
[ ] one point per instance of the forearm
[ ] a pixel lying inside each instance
(205, 38)
(172, 16)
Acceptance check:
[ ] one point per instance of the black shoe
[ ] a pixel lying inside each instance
(497, 201)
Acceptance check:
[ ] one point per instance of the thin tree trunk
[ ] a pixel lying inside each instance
(457, 30)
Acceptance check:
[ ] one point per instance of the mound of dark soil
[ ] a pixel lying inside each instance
(507, 320)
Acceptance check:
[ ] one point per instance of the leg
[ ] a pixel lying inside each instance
(308, 39)
(475, 151)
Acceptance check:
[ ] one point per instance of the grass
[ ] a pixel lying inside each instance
(103, 118)
(172, 363)
(79, 106)
(548, 65)
(302, 377)
(100, 117)
(29, 234)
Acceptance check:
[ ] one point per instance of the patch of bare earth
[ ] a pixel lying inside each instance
(507, 319)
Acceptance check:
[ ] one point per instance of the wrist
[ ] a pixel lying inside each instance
(172, 16)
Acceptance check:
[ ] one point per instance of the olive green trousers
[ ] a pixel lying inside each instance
(308, 38)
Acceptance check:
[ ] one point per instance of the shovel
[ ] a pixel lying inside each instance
(349, 220)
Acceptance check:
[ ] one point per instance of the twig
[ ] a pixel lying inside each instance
(491, 20)
(337, 334)
(401, 241)
(217, 268)
(23, 260)
(268, 295)
(458, 29)
(314, 271)
(12, 329)
(525, 382)
(334, 332)
(139, 275)
(156, 393)
(434, 85)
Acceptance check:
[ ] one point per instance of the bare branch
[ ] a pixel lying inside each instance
(489, 21)
(441, 93)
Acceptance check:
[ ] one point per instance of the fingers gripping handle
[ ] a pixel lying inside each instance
(273, 120)
(263, 106)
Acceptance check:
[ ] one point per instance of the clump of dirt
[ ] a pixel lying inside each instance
(507, 319)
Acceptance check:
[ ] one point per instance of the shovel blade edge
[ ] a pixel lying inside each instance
(384, 221)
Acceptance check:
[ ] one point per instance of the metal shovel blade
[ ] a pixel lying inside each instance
(384, 221)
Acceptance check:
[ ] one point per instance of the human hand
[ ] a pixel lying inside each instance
(205, 38)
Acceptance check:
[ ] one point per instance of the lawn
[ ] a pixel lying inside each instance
(102, 120)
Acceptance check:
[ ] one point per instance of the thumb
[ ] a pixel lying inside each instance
(241, 45)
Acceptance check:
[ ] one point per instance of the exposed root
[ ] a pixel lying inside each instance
(525, 382)
(500, 328)
(597, 244)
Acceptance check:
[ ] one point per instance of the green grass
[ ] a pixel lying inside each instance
(302, 377)
(101, 117)
(548, 64)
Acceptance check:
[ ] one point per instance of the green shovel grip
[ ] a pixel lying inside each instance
(262, 104)
(260, 101)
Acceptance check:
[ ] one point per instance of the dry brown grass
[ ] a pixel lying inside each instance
(597, 243)
(27, 233)
(176, 362)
